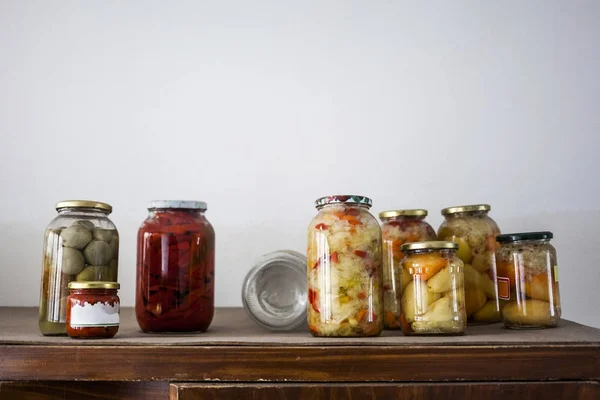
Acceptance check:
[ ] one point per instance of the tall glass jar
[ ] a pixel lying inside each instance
(80, 244)
(345, 296)
(399, 227)
(475, 232)
(528, 280)
(433, 301)
(175, 268)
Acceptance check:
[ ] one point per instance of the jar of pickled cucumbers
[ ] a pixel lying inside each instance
(433, 299)
(528, 280)
(175, 289)
(80, 245)
(345, 294)
(475, 232)
(399, 227)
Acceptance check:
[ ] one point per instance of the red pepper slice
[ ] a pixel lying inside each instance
(321, 227)
(334, 257)
(312, 299)
(360, 253)
(317, 263)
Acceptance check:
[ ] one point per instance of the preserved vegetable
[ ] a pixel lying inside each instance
(433, 301)
(475, 233)
(93, 310)
(528, 280)
(80, 244)
(345, 296)
(399, 227)
(175, 268)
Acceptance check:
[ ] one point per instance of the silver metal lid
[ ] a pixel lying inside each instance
(274, 292)
(177, 204)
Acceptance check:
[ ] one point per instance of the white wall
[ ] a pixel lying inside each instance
(261, 107)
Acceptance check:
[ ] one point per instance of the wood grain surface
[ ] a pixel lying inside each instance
(339, 363)
(84, 390)
(446, 391)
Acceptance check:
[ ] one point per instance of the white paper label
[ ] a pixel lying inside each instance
(99, 314)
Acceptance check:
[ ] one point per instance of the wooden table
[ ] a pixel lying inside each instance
(237, 359)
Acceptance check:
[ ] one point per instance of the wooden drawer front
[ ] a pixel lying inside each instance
(58, 390)
(583, 390)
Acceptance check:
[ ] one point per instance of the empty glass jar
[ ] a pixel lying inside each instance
(528, 280)
(399, 227)
(345, 296)
(433, 300)
(274, 290)
(80, 245)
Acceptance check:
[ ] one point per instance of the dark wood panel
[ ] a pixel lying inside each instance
(446, 391)
(337, 364)
(84, 390)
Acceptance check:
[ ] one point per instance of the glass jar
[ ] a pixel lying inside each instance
(81, 244)
(399, 227)
(528, 280)
(475, 232)
(344, 269)
(433, 301)
(274, 290)
(175, 268)
(93, 310)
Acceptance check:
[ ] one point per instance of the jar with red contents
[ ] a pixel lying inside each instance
(92, 310)
(175, 268)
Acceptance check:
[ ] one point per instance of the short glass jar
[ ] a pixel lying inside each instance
(274, 290)
(528, 280)
(475, 232)
(433, 301)
(175, 268)
(399, 227)
(345, 294)
(93, 310)
(81, 244)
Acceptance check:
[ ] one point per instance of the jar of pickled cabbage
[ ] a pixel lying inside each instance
(80, 245)
(345, 294)
(399, 227)
(475, 232)
(175, 268)
(528, 280)
(433, 300)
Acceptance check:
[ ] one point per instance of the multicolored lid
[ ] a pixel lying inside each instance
(349, 199)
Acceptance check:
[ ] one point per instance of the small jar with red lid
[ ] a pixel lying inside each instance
(93, 310)
(399, 227)
(175, 268)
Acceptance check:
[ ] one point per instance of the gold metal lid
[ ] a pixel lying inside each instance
(403, 213)
(468, 208)
(94, 285)
(84, 204)
(432, 245)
